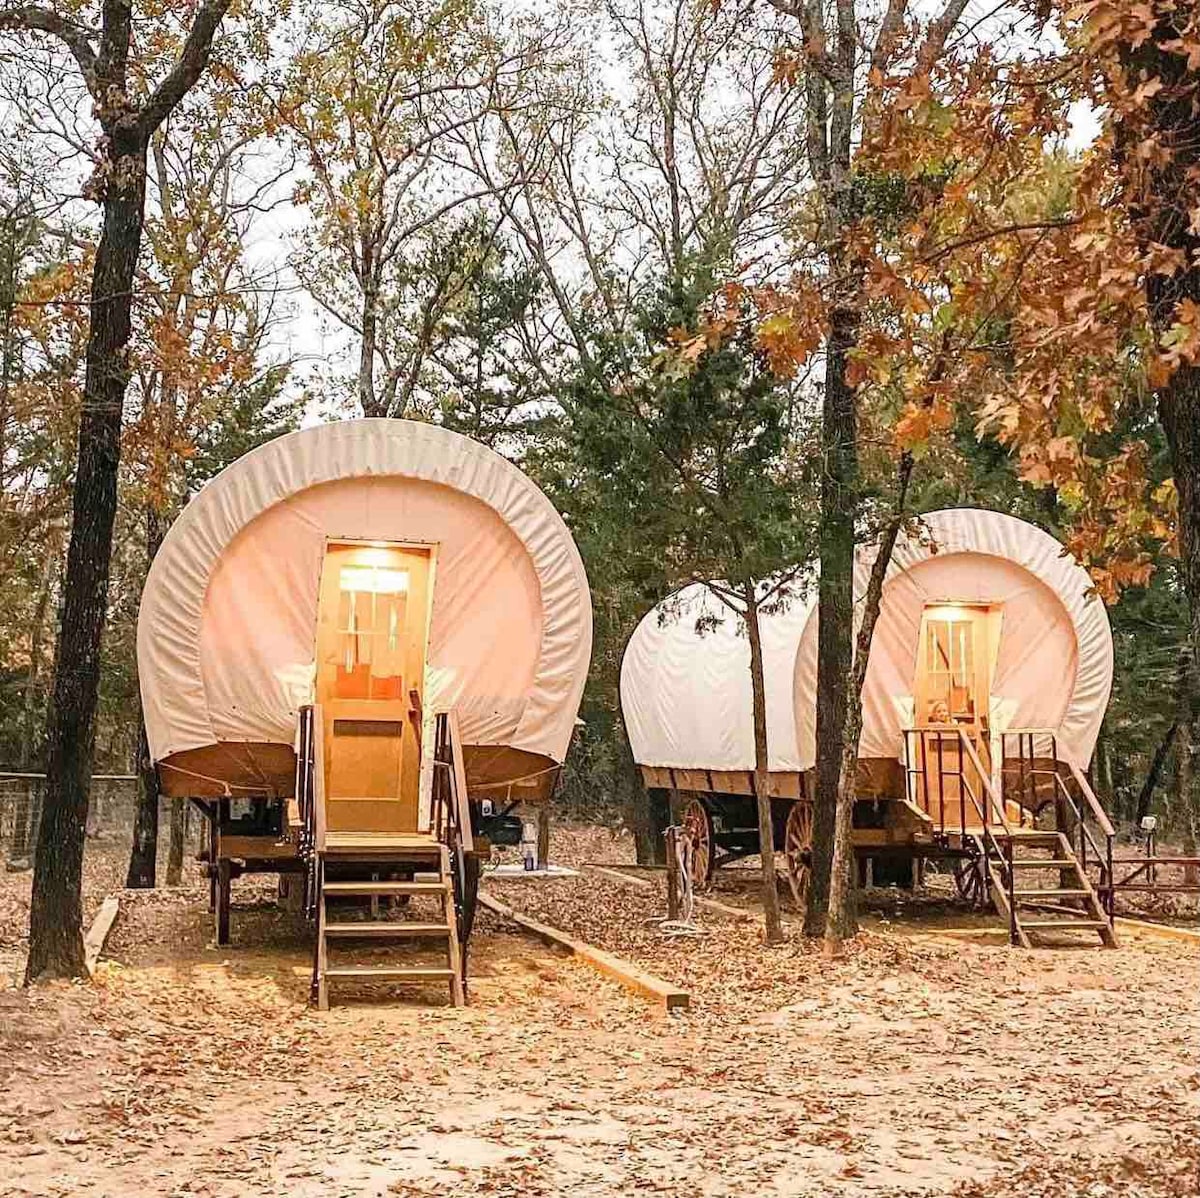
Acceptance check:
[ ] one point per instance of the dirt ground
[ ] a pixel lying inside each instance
(921, 1064)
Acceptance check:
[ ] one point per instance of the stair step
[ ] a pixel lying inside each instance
(1033, 925)
(382, 929)
(1028, 835)
(1042, 863)
(392, 974)
(1051, 893)
(389, 845)
(382, 888)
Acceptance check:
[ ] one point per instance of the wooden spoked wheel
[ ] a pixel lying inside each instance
(797, 849)
(698, 826)
(968, 881)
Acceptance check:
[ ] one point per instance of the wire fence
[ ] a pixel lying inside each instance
(112, 810)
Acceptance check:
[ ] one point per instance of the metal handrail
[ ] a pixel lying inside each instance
(1062, 790)
(990, 836)
(954, 734)
(1004, 853)
(1104, 856)
(991, 843)
(310, 797)
(985, 778)
(1098, 812)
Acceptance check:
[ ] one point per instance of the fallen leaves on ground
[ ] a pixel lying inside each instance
(918, 1065)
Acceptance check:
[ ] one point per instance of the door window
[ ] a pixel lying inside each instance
(372, 601)
(949, 670)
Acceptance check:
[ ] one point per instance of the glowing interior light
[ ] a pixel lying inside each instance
(373, 580)
(951, 611)
(375, 555)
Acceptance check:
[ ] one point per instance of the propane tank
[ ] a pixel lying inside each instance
(529, 845)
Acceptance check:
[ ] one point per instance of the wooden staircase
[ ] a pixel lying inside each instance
(1036, 878)
(432, 879)
(385, 871)
(1033, 906)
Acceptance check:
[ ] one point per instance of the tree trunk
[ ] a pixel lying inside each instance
(647, 815)
(143, 857)
(178, 836)
(1179, 412)
(1162, 213)
(1104, 771)
(646, 810)
(842, 920)
(543, 840)
(366, 349)
(1184, 807)
(835, 605)
(56, 914)
(1154, 774)
(652, 847)
(762, 775)
(1186, 813)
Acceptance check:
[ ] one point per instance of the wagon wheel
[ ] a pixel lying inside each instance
(698, 826)
(968, 880)
(797, 849)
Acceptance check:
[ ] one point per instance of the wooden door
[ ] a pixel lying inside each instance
(952, 691)
(372, 629)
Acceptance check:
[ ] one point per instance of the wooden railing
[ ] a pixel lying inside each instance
(946, 754)
(451, 805)
(989, 809)
(1086, 806)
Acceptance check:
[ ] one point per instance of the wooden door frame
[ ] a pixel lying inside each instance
(429, 550)
(987, 620)
(983, 665)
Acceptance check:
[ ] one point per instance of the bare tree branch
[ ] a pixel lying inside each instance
(889, 32)
(935, 37)
(76, 37)
(188, 68)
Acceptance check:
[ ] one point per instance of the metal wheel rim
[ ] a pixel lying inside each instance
(696, 825)
(797, 848)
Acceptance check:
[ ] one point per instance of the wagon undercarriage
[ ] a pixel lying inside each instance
(1030, 842)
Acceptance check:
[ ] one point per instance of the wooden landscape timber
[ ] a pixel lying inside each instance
(1165, 930)
(670, 996)
(97, 934)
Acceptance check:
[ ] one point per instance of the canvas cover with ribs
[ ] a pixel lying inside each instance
(227, 627)
(685, 689)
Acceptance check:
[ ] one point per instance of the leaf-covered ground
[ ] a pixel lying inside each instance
(920, 1064)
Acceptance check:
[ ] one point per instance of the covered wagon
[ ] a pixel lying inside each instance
(988, 680)
(358, 647)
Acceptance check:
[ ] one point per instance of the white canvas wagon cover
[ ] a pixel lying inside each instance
(685, 691)
(227, 627)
